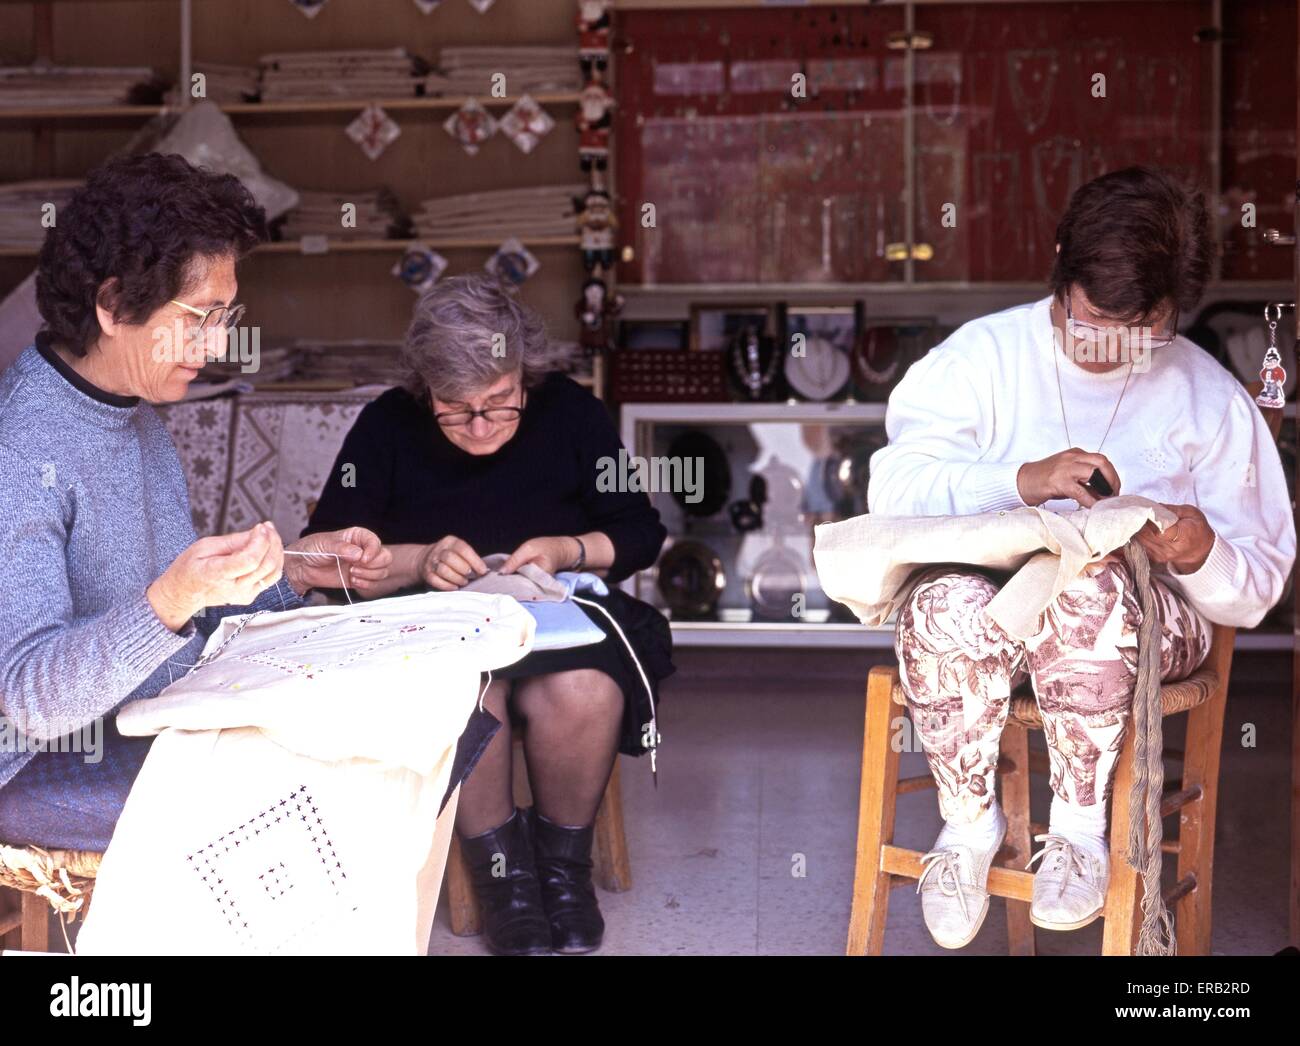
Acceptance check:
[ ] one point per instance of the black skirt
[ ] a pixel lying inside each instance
(651, 639)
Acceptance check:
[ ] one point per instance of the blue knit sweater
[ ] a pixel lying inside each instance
(93, 508)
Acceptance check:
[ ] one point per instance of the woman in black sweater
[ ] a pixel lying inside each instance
(488, 450)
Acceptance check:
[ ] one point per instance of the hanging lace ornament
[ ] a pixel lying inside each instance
(513, 263)
(526, 124)
(1272, 373)
(374, 131)
(420, 267)
(427, 6)
(471, 125)
(481, 6)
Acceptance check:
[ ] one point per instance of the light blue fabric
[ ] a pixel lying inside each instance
(562, 625)
(583, 582)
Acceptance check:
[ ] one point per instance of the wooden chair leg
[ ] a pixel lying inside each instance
(612, 867)
(11, 919)
(462, 904)
(36, 924)
(1123, 897)
(1014, 785)
(877, 795)
(1196, 822)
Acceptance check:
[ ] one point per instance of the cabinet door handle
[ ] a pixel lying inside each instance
(898, 252)
(918, 40)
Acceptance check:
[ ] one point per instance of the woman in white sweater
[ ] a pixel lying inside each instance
(1032, 406)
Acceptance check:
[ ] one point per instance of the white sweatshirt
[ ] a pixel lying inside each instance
(977, 407)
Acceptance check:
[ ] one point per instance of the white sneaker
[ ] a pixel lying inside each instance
(1070, 884)
(954, 886)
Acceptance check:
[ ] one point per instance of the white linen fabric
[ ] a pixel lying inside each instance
(290, 802)
(865, 562)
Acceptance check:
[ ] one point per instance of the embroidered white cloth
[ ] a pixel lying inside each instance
(290, 802)
(865, 562)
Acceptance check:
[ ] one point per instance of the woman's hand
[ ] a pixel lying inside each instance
(1063, 475)
(450, 563)
(226, 569)
(550, 554)
(1183, 545)
(363, 561)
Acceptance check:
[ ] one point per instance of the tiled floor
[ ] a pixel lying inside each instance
(747, 846)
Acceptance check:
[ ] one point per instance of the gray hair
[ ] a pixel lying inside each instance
(469, 331)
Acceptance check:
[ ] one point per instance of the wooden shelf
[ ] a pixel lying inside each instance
(344, 246)
(81, 112)
(355, 105)
(328, 105)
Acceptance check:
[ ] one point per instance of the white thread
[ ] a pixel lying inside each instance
(654, 726)
(338, 562)
(485, 690)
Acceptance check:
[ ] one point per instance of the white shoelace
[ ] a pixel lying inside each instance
(948, 877)
(1067, 858)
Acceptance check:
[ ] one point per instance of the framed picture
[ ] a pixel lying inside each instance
(653, 334)
(714, 326)
(818, 342)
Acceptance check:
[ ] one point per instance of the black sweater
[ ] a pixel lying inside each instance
(414, 486)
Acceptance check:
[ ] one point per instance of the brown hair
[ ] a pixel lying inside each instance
(1134, 240)
(129, 240)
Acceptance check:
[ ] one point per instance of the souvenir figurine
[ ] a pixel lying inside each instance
(596, 225)
(596, 311)
(593, 35)
(1272, 373)
(594, 105)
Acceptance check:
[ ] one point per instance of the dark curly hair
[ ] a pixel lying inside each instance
(128, 240)
(1135, 239)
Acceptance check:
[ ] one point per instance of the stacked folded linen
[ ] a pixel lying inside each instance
(378, 215)
(538, 211)
(224, 84)
(45, 86)
(527, 70)
(304, 76)
(23, 209)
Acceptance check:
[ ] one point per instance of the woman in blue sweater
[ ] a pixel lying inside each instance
(110, 596)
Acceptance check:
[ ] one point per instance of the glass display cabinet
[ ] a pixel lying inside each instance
(740, 488)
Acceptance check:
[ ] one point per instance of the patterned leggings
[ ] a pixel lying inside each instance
(958, 670)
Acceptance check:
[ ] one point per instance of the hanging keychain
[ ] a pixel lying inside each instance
(1272, 374)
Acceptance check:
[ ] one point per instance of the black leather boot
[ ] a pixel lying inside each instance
(514, 918)
(564, 868)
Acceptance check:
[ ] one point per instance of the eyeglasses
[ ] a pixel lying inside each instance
(1087, 332)
(450, 419)
(227, 316)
